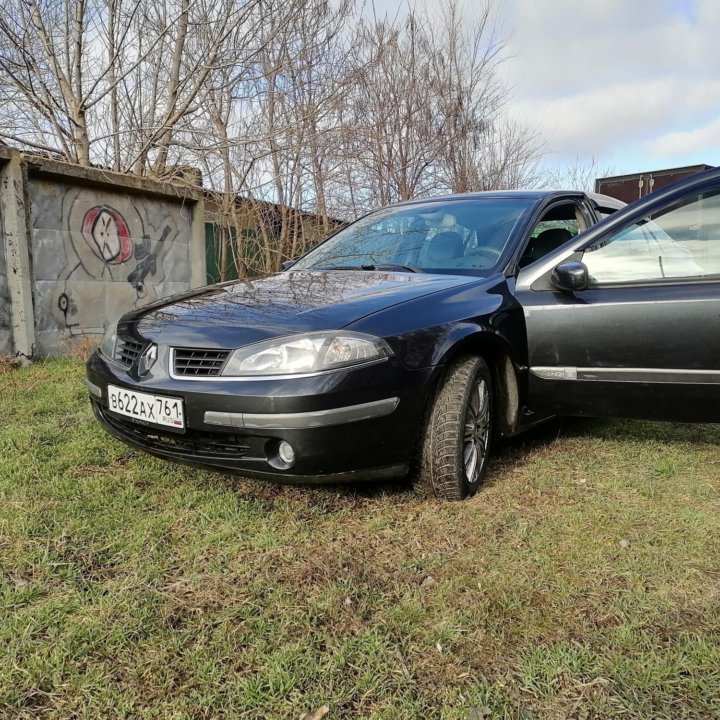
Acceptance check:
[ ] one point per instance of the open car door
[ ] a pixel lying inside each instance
(624, 320)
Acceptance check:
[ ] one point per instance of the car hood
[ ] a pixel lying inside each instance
(242, 312)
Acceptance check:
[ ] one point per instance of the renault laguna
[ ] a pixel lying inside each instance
(407, 342)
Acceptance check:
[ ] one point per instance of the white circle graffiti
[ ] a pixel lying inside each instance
(106, 232)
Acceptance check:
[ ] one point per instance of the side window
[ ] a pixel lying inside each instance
(555, 227)
(570, 225)
(682, 241)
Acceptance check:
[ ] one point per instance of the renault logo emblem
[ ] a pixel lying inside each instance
(147, 359)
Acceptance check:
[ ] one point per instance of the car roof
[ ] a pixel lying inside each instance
(534, 195)
(606, 201)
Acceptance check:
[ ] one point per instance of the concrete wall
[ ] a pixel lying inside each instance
(96, 254)
(99, 244)
(5, 336)
(5, 324)
(17, 298)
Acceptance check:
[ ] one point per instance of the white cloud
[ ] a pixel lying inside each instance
(600, 120)
(687, 142)
(622, 80)
(633, 82)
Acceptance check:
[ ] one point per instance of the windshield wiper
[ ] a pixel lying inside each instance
(370, 266)
(337, 267)
(390, 266)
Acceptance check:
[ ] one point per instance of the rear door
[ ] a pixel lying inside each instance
(643, 339)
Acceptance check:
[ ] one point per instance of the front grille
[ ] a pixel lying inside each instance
(193, 444)
(127, 351)
(197, 362)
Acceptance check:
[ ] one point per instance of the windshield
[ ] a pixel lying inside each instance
(457, 235)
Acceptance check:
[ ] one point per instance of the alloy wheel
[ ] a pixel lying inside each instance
(477, 430)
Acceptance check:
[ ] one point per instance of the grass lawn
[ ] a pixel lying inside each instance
(130, 587)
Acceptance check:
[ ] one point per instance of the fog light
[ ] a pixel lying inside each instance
(286, 453)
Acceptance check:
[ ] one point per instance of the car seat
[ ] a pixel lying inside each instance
(544, 243)
(445, 246)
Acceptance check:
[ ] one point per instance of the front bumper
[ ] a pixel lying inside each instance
(349, 425)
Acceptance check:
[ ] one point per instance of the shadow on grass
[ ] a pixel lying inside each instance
(668, 433)
(511, 451)
(338, 496)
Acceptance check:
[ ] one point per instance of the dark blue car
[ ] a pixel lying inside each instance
(408, 341)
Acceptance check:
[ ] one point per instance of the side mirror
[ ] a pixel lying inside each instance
(571, 275)
(287, 264)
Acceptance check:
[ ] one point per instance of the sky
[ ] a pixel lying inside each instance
(633, 83)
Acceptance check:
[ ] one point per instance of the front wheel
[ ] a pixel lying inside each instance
(458, 432)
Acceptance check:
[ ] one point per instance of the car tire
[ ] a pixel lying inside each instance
(458, 432)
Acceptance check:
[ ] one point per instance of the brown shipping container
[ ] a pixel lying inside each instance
(629, 188)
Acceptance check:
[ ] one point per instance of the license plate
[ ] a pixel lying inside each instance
(155, 409)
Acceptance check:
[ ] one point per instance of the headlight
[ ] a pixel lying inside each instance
(107, 346)
(301, 354)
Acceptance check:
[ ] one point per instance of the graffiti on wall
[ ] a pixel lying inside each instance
(118, 250)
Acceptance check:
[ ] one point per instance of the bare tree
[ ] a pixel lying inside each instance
(427, 112)
(272, 129)
(297, 111)
(579, 174)
(483, 149)
(395, 125)
(78, 74)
